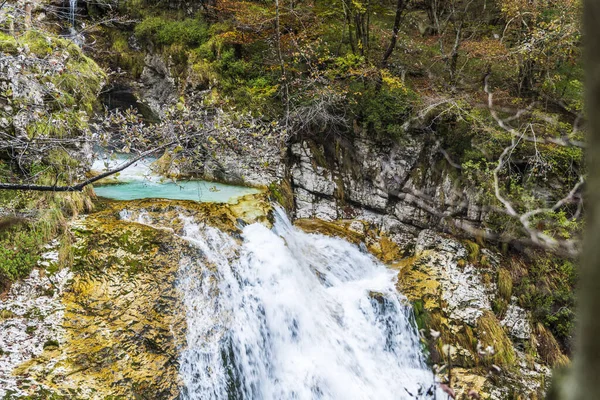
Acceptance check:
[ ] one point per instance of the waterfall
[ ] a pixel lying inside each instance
(281, 314)
(72, 13)
(74, 35)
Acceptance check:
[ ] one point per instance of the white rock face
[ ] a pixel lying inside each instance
(466, 295)
(373, 177)
(158, 88)
(516, 321)
(304, 203)
(378, 177)
(33, 316)
(326, 210)
(314, 179)
(367, 194)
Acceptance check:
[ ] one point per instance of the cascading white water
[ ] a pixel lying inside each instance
(289, 315)
(72, 13)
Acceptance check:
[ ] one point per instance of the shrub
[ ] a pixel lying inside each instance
(190, 32)
(19, 253)
(383, 110)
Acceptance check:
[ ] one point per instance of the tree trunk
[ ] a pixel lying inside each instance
(584, 383)
(399, 9)
(454, 54)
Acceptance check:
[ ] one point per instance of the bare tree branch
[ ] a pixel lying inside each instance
(502, 123)
(80, 186)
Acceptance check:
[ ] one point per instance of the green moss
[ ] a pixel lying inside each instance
(505, 284)
(38, 43)
(126, 58)
(548, 348)
(82, 80)
(499, 306)
(546, 287)
(60, 124)
(473, 249)
(282, 193)
(490, 333)
(8, 44)
(20, 250)
(202, 73)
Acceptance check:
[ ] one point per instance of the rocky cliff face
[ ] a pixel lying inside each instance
(454, 290)
(376, 181)
(112, 325)
(51, 89)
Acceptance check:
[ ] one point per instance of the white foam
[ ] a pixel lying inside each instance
(289, 315)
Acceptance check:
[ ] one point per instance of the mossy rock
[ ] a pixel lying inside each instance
(378, 243)
(491, 334)
(123, 327)
(283, 194)
(482, 351)
(8, 44)
(328, 228)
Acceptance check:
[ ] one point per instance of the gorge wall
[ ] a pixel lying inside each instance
(367, 190)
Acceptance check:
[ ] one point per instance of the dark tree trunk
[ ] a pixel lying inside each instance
(399, 10)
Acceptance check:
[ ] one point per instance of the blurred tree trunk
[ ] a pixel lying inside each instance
(585, 379)
(28, 8)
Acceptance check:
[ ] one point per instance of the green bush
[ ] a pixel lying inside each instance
(160, 31)
(233, 68)
(19, 253)
(384, 111)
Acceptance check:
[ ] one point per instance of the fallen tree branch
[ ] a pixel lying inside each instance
(80, 186)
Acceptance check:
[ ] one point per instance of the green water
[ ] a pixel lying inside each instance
(186, 190)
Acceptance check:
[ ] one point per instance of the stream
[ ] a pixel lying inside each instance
(288, 315)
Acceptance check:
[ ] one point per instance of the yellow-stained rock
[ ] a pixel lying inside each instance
(124, 323)
(355, 231)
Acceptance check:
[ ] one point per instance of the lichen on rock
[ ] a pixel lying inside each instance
(123, 329)
(452, 286)
(30, 321)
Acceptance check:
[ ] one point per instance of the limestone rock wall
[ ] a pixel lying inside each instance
(374, 181)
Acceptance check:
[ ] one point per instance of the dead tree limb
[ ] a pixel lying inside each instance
(80, 186)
